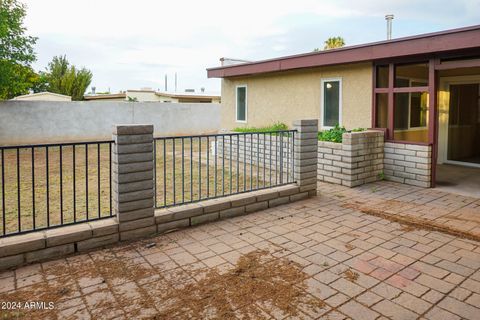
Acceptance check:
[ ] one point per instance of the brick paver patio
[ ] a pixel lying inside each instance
(361, 266)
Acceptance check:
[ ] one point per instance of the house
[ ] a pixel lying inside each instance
(157, 96)
(44, 96)
(422, 90)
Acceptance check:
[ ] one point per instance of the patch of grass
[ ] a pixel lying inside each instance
(277, 126)
(381, 176)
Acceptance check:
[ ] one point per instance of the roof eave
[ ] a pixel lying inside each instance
(458, 39)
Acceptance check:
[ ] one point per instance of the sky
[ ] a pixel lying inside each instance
(134, 44)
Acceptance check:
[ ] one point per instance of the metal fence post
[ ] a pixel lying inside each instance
(306, 155)
(133, 180)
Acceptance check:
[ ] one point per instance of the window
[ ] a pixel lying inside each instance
(331, 102)
(241, 105)
(381, 109)
(411, 75)
(382, 77)
(401, 96)
(411, 116)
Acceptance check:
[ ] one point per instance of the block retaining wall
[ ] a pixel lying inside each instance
(272, 154)
(355, 161)
(408, 163)
(49, 244)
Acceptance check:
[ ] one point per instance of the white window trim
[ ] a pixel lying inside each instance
(340, 102)
(246, 103)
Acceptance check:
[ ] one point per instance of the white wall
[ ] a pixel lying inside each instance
(29, 122)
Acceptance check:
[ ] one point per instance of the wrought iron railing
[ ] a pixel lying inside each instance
(195, 168)
(49, 185)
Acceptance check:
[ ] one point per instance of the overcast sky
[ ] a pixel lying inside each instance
(133, 44)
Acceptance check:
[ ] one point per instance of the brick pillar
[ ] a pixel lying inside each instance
(306, 155)
(133, 180)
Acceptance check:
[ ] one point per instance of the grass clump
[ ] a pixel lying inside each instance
(277, 126)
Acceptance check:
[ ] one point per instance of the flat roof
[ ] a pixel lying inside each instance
(105, 96)
(424, 44)
(192, 95)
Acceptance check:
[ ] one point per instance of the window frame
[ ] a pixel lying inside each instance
(322, 101)
(236, 103)
(410, 80)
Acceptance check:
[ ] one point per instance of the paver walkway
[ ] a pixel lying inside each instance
(453, 212)
(357, 265)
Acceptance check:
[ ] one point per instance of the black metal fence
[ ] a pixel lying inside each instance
(195, 168)
(49, 185)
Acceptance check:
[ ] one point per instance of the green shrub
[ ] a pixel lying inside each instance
(335, 134)
(277, 126)
(332, 135)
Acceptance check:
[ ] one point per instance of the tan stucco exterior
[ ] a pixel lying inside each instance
(286, 96)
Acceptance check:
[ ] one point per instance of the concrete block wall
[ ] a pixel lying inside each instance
(269, 151)
(408, 163)
(133, 201)
(355, 161)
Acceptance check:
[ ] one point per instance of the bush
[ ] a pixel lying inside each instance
(332, 135)
(277, 126)
(335, 134)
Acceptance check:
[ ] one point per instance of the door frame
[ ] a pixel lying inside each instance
(444, 109)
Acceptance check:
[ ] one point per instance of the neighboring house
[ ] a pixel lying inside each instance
(158, 96)
(422, 90)
(44, 96)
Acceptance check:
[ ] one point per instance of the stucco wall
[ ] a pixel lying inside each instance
(296, 95)
(28, 122)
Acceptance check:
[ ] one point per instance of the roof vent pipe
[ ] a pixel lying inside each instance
(389, 18)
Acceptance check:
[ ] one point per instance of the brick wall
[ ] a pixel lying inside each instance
(355, 161)
(408, 163)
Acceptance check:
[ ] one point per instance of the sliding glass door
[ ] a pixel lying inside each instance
(464, 123)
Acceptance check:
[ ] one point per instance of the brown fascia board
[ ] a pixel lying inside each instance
(181, 96)
(426, 44)
(105, 96)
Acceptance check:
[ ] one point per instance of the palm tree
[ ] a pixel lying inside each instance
(334, 42)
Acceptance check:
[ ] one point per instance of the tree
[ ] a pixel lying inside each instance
(65, 79)
(332, 43)
(16, 51)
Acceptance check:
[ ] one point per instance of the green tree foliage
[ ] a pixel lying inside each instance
(66, 79)
(16, 51)
(332, 43)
